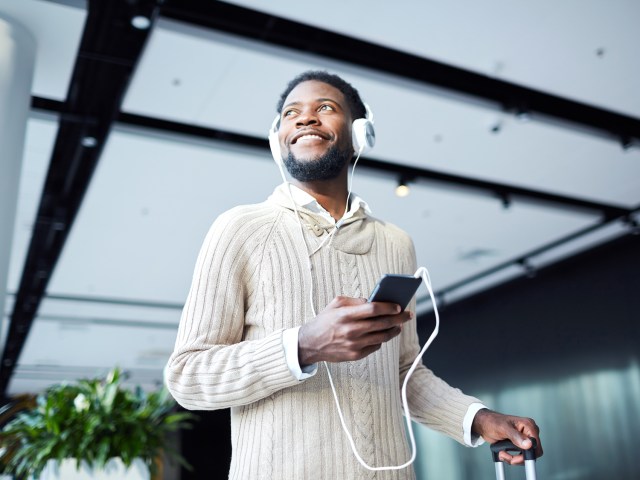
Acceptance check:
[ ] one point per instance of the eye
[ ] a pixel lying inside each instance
(287, 113)
(326, 107)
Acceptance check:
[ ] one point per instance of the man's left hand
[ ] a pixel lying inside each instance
(494, 426)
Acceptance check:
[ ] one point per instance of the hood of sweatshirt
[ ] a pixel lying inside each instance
(355, 235)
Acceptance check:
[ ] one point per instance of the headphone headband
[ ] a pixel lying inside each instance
(363, 136)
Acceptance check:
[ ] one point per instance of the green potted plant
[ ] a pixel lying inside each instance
(92, 421)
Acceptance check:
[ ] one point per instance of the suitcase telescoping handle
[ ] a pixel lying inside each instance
(529, 457)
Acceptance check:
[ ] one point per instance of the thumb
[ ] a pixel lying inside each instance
(522, 442)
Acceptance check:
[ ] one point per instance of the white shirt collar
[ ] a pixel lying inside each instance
(303, 199)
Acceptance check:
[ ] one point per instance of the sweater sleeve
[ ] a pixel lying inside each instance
(212, 366)
(432, 401)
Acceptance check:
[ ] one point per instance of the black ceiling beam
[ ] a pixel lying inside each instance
(508, 96)
(108, 53)
(504, 192)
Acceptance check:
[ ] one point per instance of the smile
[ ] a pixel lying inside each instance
(308, 138)
(309, 135)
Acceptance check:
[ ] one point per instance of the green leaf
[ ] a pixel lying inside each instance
(117, 422)
(110, 392)
(102, 454)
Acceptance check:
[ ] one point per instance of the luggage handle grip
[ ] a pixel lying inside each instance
(506, 445)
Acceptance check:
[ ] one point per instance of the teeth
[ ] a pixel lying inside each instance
(309, 137)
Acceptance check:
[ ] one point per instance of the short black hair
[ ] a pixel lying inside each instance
(355, 103)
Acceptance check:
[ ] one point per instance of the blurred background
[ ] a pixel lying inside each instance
(127, 126)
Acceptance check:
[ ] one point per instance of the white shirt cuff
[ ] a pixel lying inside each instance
(471, 439)
(290, 345)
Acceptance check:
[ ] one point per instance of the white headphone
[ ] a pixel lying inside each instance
(363, 135)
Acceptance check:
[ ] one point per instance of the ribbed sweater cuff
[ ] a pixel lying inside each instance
(442, 408)
(455, 411)
(271, 361)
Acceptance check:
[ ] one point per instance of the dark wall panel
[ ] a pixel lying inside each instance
(576, 316)
(563, 348)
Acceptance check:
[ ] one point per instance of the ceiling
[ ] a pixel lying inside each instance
(499, 187)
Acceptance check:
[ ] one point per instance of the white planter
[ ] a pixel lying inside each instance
(114, 470)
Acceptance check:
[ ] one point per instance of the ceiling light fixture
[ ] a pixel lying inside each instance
(441, 301)
(89, 142)
(523, 115)
(141, 22)
(626, 143)
(402, 190)
(505, 199)
(632, 223)
(529, 270)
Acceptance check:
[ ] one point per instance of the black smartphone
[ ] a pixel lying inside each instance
(398, 289)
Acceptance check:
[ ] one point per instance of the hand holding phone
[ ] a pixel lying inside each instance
(398, 289)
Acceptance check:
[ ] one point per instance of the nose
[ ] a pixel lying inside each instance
(306, 117)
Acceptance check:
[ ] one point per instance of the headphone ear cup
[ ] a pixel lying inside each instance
(274, 142)
(363, 135)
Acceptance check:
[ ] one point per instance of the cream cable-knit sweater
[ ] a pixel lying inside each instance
(251, 282)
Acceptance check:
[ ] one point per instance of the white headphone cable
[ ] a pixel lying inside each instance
(421, 272)
(331, 234)
(346, 207)
(424, 273)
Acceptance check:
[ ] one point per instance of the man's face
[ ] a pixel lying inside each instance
(315, 131)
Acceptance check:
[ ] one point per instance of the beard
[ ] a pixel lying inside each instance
(325, 167)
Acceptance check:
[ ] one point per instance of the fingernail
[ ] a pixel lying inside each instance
(526, 443)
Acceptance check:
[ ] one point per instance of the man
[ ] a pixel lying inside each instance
(249, 337)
